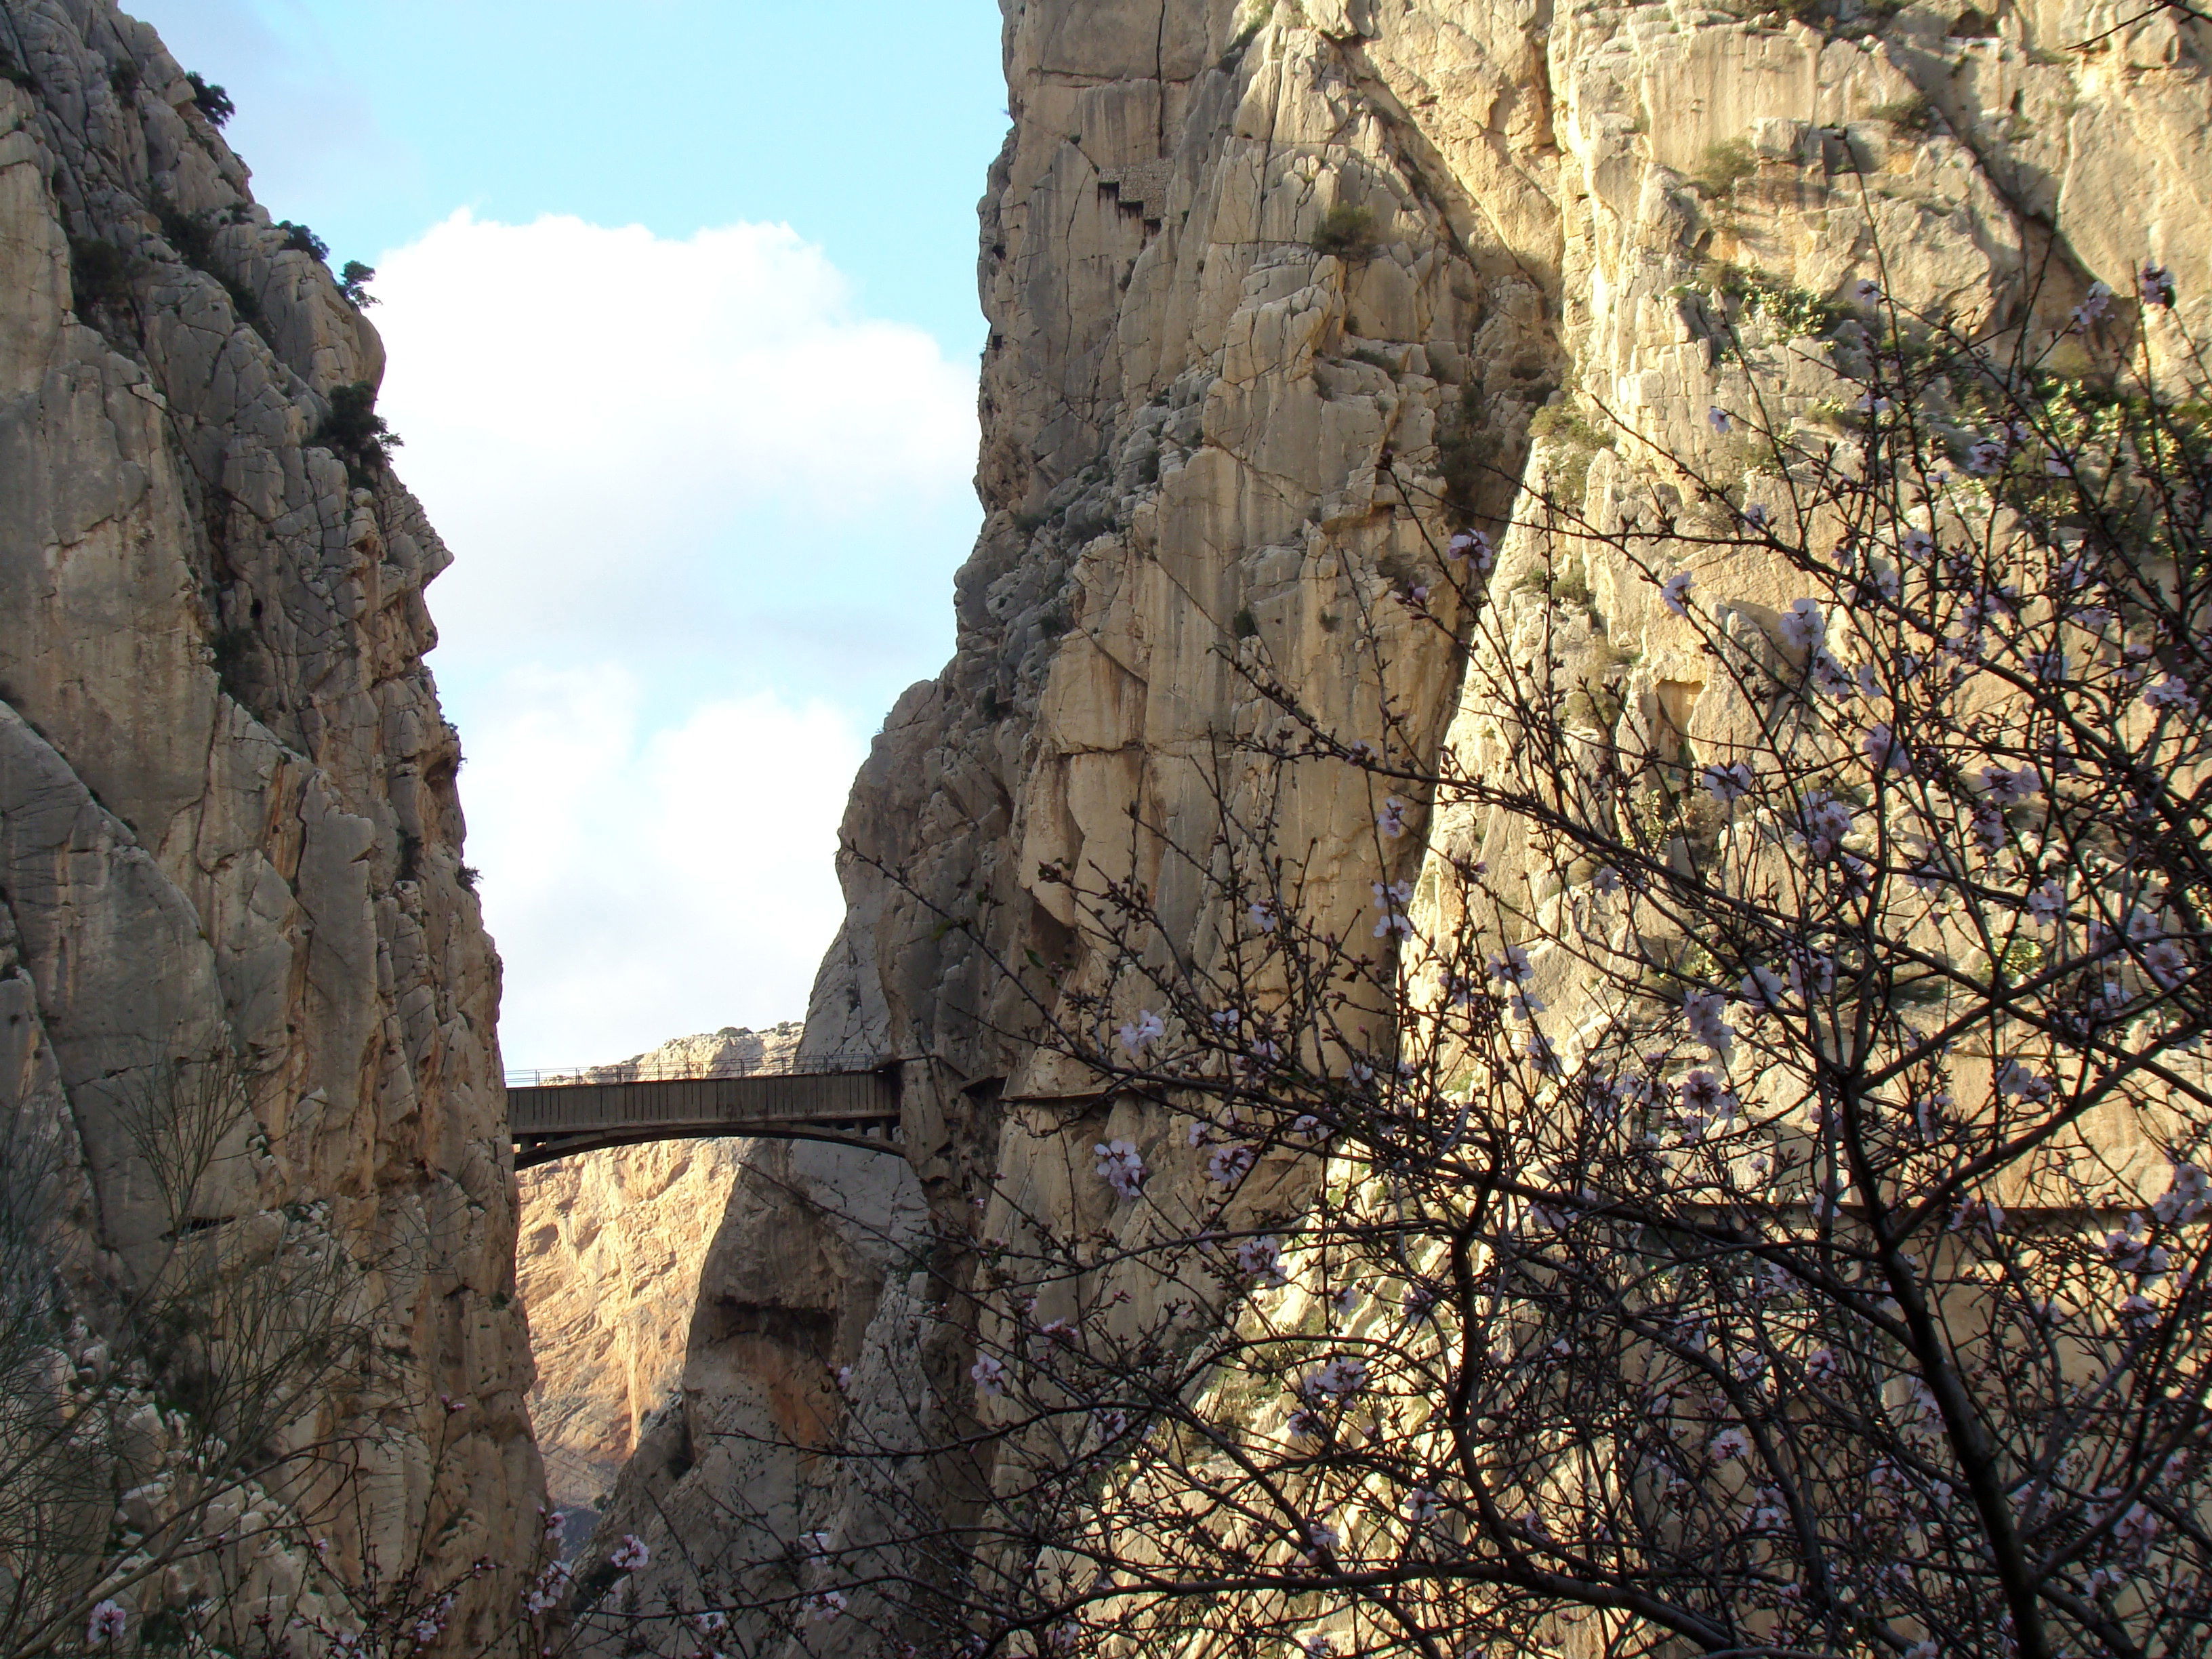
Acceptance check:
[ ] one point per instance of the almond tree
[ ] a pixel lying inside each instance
(1749, 1197)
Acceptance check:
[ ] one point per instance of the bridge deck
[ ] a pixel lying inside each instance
(850, 1109)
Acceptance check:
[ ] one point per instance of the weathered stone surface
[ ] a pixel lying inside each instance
(229, 824)
(1206, 441)
(608, 1261)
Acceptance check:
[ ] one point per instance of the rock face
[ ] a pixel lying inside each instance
(229, 836)
(608, 1261)
(1275, 291)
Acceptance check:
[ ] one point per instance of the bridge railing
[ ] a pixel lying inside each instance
(624, 1070)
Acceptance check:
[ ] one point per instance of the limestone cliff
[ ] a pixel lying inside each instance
(1275, 291)
(230, 841)
(608, 1262)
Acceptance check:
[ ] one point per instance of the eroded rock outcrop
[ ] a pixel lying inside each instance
(1275, 291)
(230, 842)
(608, 1262)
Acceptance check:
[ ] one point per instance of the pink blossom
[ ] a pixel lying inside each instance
(1322, 1541)
(2171, 692)
(2155, 284)
(2014, 1079)
(1262, 1259)
(109, 1622)
(1885, 751)
(988, 1376)
(1230, 1164)
(1340, 1379)
(1702, 1010)
(630, 1555)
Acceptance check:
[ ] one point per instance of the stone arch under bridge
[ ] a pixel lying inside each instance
(850, 1100)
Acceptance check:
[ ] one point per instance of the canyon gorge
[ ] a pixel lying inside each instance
(1281, 294)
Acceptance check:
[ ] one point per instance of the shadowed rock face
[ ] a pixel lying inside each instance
(608, 1261)
(229, 824)
(1203, 436)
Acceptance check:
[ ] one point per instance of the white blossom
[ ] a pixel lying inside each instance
(1321, 1541)
(1802, 625)
(821, 1608)
(988, 1376)
(1140, 1034)
(1391, 901)
(1719, 419)
(1730, 782)
(1730, 1442)
(1511, 966)
(2014, 1079)
(546, 1590)
(2047, 903)
(2185, 1196)
(1703, 1010)
(1676, 591)
(1474, 545)
(630, 1555)
(1264, 919)
(1120, 1167)
(1391, 820)
(1760, 989)
(2155, 284)
(2098, 302)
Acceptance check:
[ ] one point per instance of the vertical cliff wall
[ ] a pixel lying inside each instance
(1275, 290)
(608, 1261)
(230, 842)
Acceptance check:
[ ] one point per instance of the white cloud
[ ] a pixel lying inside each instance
(643, 884)
(601, 419)
(704, 518)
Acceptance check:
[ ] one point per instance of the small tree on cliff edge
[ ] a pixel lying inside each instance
(1752, 1200)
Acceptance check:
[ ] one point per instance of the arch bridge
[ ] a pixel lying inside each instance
(848, 1100)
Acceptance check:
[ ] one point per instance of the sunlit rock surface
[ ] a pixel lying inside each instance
(230, 832)
(608, 1261)
(1204, 436)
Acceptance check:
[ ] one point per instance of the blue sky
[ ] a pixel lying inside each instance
(680, 302)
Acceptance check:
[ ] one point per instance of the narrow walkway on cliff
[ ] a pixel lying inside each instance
(850, 1099)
